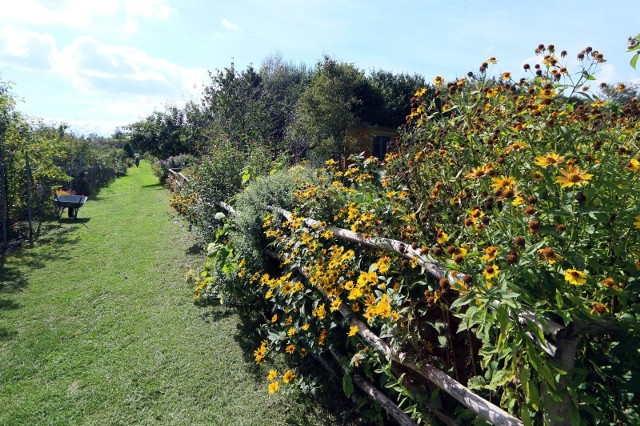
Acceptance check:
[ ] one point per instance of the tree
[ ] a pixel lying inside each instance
(235, 106)
(326, 110)
(282, 86)
(395, 91)
(162, 134)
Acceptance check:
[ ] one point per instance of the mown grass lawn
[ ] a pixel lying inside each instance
(97, 326)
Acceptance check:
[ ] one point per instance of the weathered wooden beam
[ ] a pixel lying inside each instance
(475, 403)
(391, 408)
(430, 265)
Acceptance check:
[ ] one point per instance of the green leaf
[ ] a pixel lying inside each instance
(634, 59)
(347, 385)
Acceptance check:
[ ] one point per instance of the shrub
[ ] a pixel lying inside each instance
(535, 197)
(242, 239)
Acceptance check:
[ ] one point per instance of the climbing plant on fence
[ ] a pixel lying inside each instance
(499, 244)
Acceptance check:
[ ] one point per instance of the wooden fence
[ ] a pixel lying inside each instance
(558, 343)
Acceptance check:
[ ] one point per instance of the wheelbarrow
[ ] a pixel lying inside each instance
(70, 202)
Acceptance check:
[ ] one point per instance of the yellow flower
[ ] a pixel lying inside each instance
(335, 305)
(261, 352)
(353, 330)
(273, 374)
(493, 92)
(288, 376)
(287, 288)
(506, 76)
(476, 214)
(291, 331)
(319, 312)
(574, 176)
(637, 222)
(503, 182)
(551, 159)
(518, 201)
(442, 237)
(490, 254)
(420, 92)
(634, 165)
(491, 271)
(322, 338)
(575, 277)
(438, 80)
(274, 318)
(383, 264)
(290, 349)
(305, 327)
(273, 387)
(367, 278)
(354, 293)
(549, 255)
(478, 172)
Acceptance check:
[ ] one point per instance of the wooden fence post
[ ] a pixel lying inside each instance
(28, 170)
(4, 208)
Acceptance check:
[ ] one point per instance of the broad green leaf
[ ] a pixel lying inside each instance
(347, 385)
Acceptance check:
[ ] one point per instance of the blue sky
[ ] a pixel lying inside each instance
(99, 64)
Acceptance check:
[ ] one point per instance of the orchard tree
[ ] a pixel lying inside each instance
(326, 110)
(162, 134)
(235, 107)
(282, 86)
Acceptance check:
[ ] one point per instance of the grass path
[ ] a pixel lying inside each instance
(97, 326)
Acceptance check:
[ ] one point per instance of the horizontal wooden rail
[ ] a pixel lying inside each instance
(551, 329)
(180, 178)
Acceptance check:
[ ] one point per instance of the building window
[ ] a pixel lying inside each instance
(379, 146)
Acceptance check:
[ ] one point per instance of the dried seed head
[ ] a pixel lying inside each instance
(512, 257)
(519, 241)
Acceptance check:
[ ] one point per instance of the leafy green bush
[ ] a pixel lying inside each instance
(529, 197)
(242, 237)
(536, 199)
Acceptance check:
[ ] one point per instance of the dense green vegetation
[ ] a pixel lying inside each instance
(525, 192)
(97, 326)
(497, 240)
(57, 159)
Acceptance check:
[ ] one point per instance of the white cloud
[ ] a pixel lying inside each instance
(96, 68)
(82, 13)
(26, 49)
(229, 25)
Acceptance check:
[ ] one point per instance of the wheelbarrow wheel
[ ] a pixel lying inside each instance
(73, 213)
